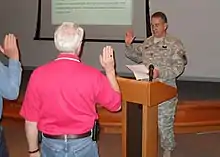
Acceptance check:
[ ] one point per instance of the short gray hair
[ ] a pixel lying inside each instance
(68, 37)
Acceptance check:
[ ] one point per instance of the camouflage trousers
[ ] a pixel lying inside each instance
(166, 116)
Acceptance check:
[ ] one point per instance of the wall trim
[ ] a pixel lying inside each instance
(182, 78)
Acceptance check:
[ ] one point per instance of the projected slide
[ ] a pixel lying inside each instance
(101, 19)
(92, 12)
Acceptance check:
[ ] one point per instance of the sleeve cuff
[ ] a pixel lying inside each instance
(128, 46)
(14, 62)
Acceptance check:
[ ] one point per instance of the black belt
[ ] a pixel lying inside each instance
(64, 137)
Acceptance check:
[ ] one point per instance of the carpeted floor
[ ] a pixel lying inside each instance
(188, 145)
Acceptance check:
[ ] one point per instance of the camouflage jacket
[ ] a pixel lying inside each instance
(167, 55)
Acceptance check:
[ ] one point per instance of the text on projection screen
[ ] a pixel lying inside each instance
(106, 12)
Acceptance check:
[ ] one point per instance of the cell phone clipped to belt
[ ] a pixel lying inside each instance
(39, 137)
(95, 131)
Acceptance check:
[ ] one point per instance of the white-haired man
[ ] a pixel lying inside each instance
(61, 96)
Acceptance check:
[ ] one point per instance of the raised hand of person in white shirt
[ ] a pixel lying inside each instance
(107, 59)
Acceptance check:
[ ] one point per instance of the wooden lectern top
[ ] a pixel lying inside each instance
(143, 92)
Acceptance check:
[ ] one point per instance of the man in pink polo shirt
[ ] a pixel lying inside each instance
(61, 96)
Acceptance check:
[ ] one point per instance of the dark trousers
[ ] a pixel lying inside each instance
(3, 146)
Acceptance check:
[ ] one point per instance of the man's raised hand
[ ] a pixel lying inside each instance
(129, 37)
(107, 58)
(10, 47)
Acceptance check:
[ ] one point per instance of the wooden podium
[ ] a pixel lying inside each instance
(140, 115)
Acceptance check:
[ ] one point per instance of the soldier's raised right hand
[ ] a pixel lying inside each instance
(129, 37)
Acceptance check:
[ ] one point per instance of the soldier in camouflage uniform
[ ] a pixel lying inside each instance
(167, 54)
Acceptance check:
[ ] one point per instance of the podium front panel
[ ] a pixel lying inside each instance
(134, 130)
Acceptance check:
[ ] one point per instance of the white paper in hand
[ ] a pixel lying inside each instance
(140, 71)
